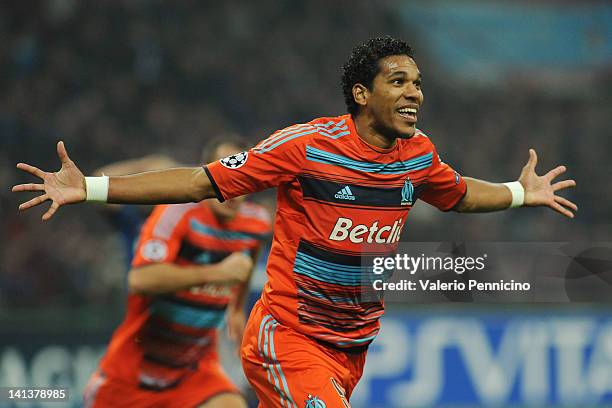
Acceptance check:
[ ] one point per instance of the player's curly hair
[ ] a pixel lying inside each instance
(362, 66)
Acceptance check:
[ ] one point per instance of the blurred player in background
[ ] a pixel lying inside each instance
(345, 187)
(128, 219)
(187, 264)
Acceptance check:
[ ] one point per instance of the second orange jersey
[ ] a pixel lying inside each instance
(164, 338)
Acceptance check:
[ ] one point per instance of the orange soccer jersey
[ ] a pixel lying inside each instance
(339, 199)
(164, 338)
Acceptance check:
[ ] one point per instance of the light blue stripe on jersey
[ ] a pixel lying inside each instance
(299, 128)
(292, 129)
(356, 342)
(309, 129)
(321, 156)
(270, 361)
(221, 234)
(329, 272)
(187, 316)
(263, 349)
(288, 396)
(333, 299)
(275, 145)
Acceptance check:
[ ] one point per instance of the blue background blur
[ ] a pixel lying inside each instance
(122, 79)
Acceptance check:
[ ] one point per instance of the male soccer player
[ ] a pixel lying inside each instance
(128, 219)
(345, 187)
(187, 263)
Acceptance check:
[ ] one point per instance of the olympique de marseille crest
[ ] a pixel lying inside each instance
(408, 192)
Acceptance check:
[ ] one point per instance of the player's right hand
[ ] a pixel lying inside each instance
(237, 267)
(66, 186)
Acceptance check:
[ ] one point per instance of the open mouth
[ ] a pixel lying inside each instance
(409, 114)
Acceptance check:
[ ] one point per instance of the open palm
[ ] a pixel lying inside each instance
(67, 186)
(541, 191)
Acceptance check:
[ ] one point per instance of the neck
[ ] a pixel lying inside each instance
(221, 218)
(366, 129)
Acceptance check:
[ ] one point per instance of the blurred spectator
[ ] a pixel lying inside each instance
(124, 79)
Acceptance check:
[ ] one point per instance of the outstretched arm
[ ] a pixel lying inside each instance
(170, 186)
(132, 166)
(67, 186)
(483, 196)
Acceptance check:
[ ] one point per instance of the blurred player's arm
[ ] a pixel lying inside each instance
(160, 278)
(139, 165)
(482, 196)
(236, 317)
(67, 186)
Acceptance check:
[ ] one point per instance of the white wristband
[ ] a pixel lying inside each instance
(97, 188)
(518, 193)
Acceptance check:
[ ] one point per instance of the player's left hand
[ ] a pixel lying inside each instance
(540, 190)
(236, 320)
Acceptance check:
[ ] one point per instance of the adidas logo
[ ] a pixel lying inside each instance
(345, 194)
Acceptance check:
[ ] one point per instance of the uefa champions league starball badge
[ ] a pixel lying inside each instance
(235, 160)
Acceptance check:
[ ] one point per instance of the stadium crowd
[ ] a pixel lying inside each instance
(122, 79)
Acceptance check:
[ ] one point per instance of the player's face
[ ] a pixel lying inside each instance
(396, 97)
(229, 208)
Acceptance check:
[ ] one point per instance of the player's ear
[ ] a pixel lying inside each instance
(361, 94)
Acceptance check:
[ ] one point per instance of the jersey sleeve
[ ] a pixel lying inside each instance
(275, 160)
(161, 235)
(445, 187)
